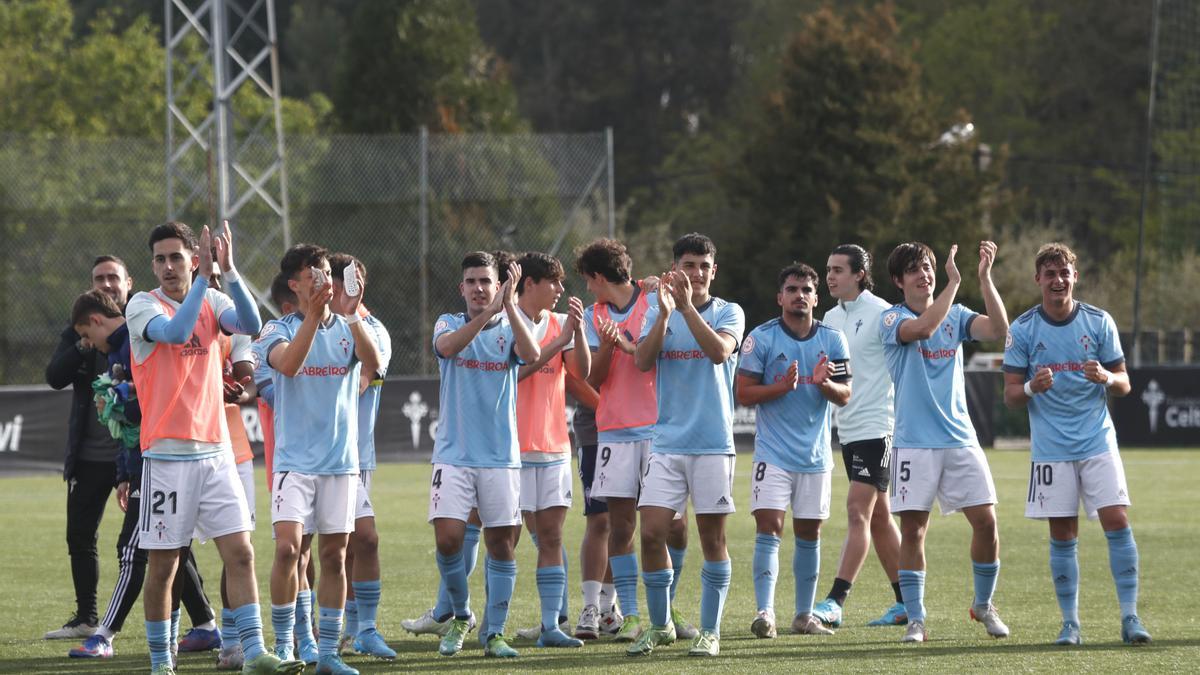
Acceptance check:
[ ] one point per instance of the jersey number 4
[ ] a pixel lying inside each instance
(437, 478)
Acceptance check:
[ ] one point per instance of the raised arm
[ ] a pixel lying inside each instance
(994, 324)
(716, 346)
(288, 357)
(523, 343)
(646, 354)
(927, 323)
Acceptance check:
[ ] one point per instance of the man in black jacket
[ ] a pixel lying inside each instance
(90, 468)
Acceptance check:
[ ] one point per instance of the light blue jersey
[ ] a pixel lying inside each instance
(792, 431)
(1070, 421)
(477, 423)
(931, 396)
(695, 395)
(316, 411)
(368, 402)
(263, 379)
(618, 315)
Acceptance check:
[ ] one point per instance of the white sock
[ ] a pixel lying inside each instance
(608, 595)
(207, 625)
(106, 632)
(591, 593)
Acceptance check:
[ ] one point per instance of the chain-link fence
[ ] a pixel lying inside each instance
(409, 206)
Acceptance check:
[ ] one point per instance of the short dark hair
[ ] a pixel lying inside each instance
(301, 256)
(860, 261)
(606, 257)
(338, 262)
(800, 270)
(1053, 252)
(503, 260)
(694, 243)
(479, 259)
(113, 259)
(93, 302)
(173, 230)
(907, 257)
(536, 266)
(281, 292)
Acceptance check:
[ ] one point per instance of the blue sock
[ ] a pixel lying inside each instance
(444, 608)
(283, 622)
(1123, 561)
(329, 627)
(249, 626)
(714, 586)
(501, 579)
(366, 597)
(350, 617)
(550, 583)
(677, 556)
(175, 625)
(806, 567)
(658, 595)
(562, 607)
(912, 589)
(766, 570)
(1064, 570)
(454, 580)
(158, 636)
(229, 632)
(986, 575)
(304, 614)
(625, 577)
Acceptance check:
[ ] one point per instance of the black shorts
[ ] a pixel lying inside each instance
(587, 472)
(869, 461)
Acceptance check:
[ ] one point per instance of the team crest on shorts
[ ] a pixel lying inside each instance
(889, 319)
(748, 345)
(160, 527)
(903, 492)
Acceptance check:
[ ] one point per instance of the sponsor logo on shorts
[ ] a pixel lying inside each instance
(723, 501)
(865, 472)
(568, 495)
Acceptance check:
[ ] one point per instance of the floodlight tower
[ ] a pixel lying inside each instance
(225, 152)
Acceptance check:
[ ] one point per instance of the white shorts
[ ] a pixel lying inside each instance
(455, 490)
(246, 473)
(362, 500)
(324, 502)
(545, 487)
(1055, 488)
(182, 497)
(808, 494)
(670, 478)
(620, 469)
(957, 477)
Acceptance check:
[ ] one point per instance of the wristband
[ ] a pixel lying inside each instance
(1029, 390)
(352, 319)
(232, 276)
(1108, 379)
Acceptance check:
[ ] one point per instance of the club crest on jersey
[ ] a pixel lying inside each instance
(889, 319)
(501, 342)
(748, 345)
(345, 346)
(857, 325)
(1086, 342)
(948, 330)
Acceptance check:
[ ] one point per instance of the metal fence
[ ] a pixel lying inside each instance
(409, 206)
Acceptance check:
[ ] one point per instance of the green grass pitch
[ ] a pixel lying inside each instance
(36, 590)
